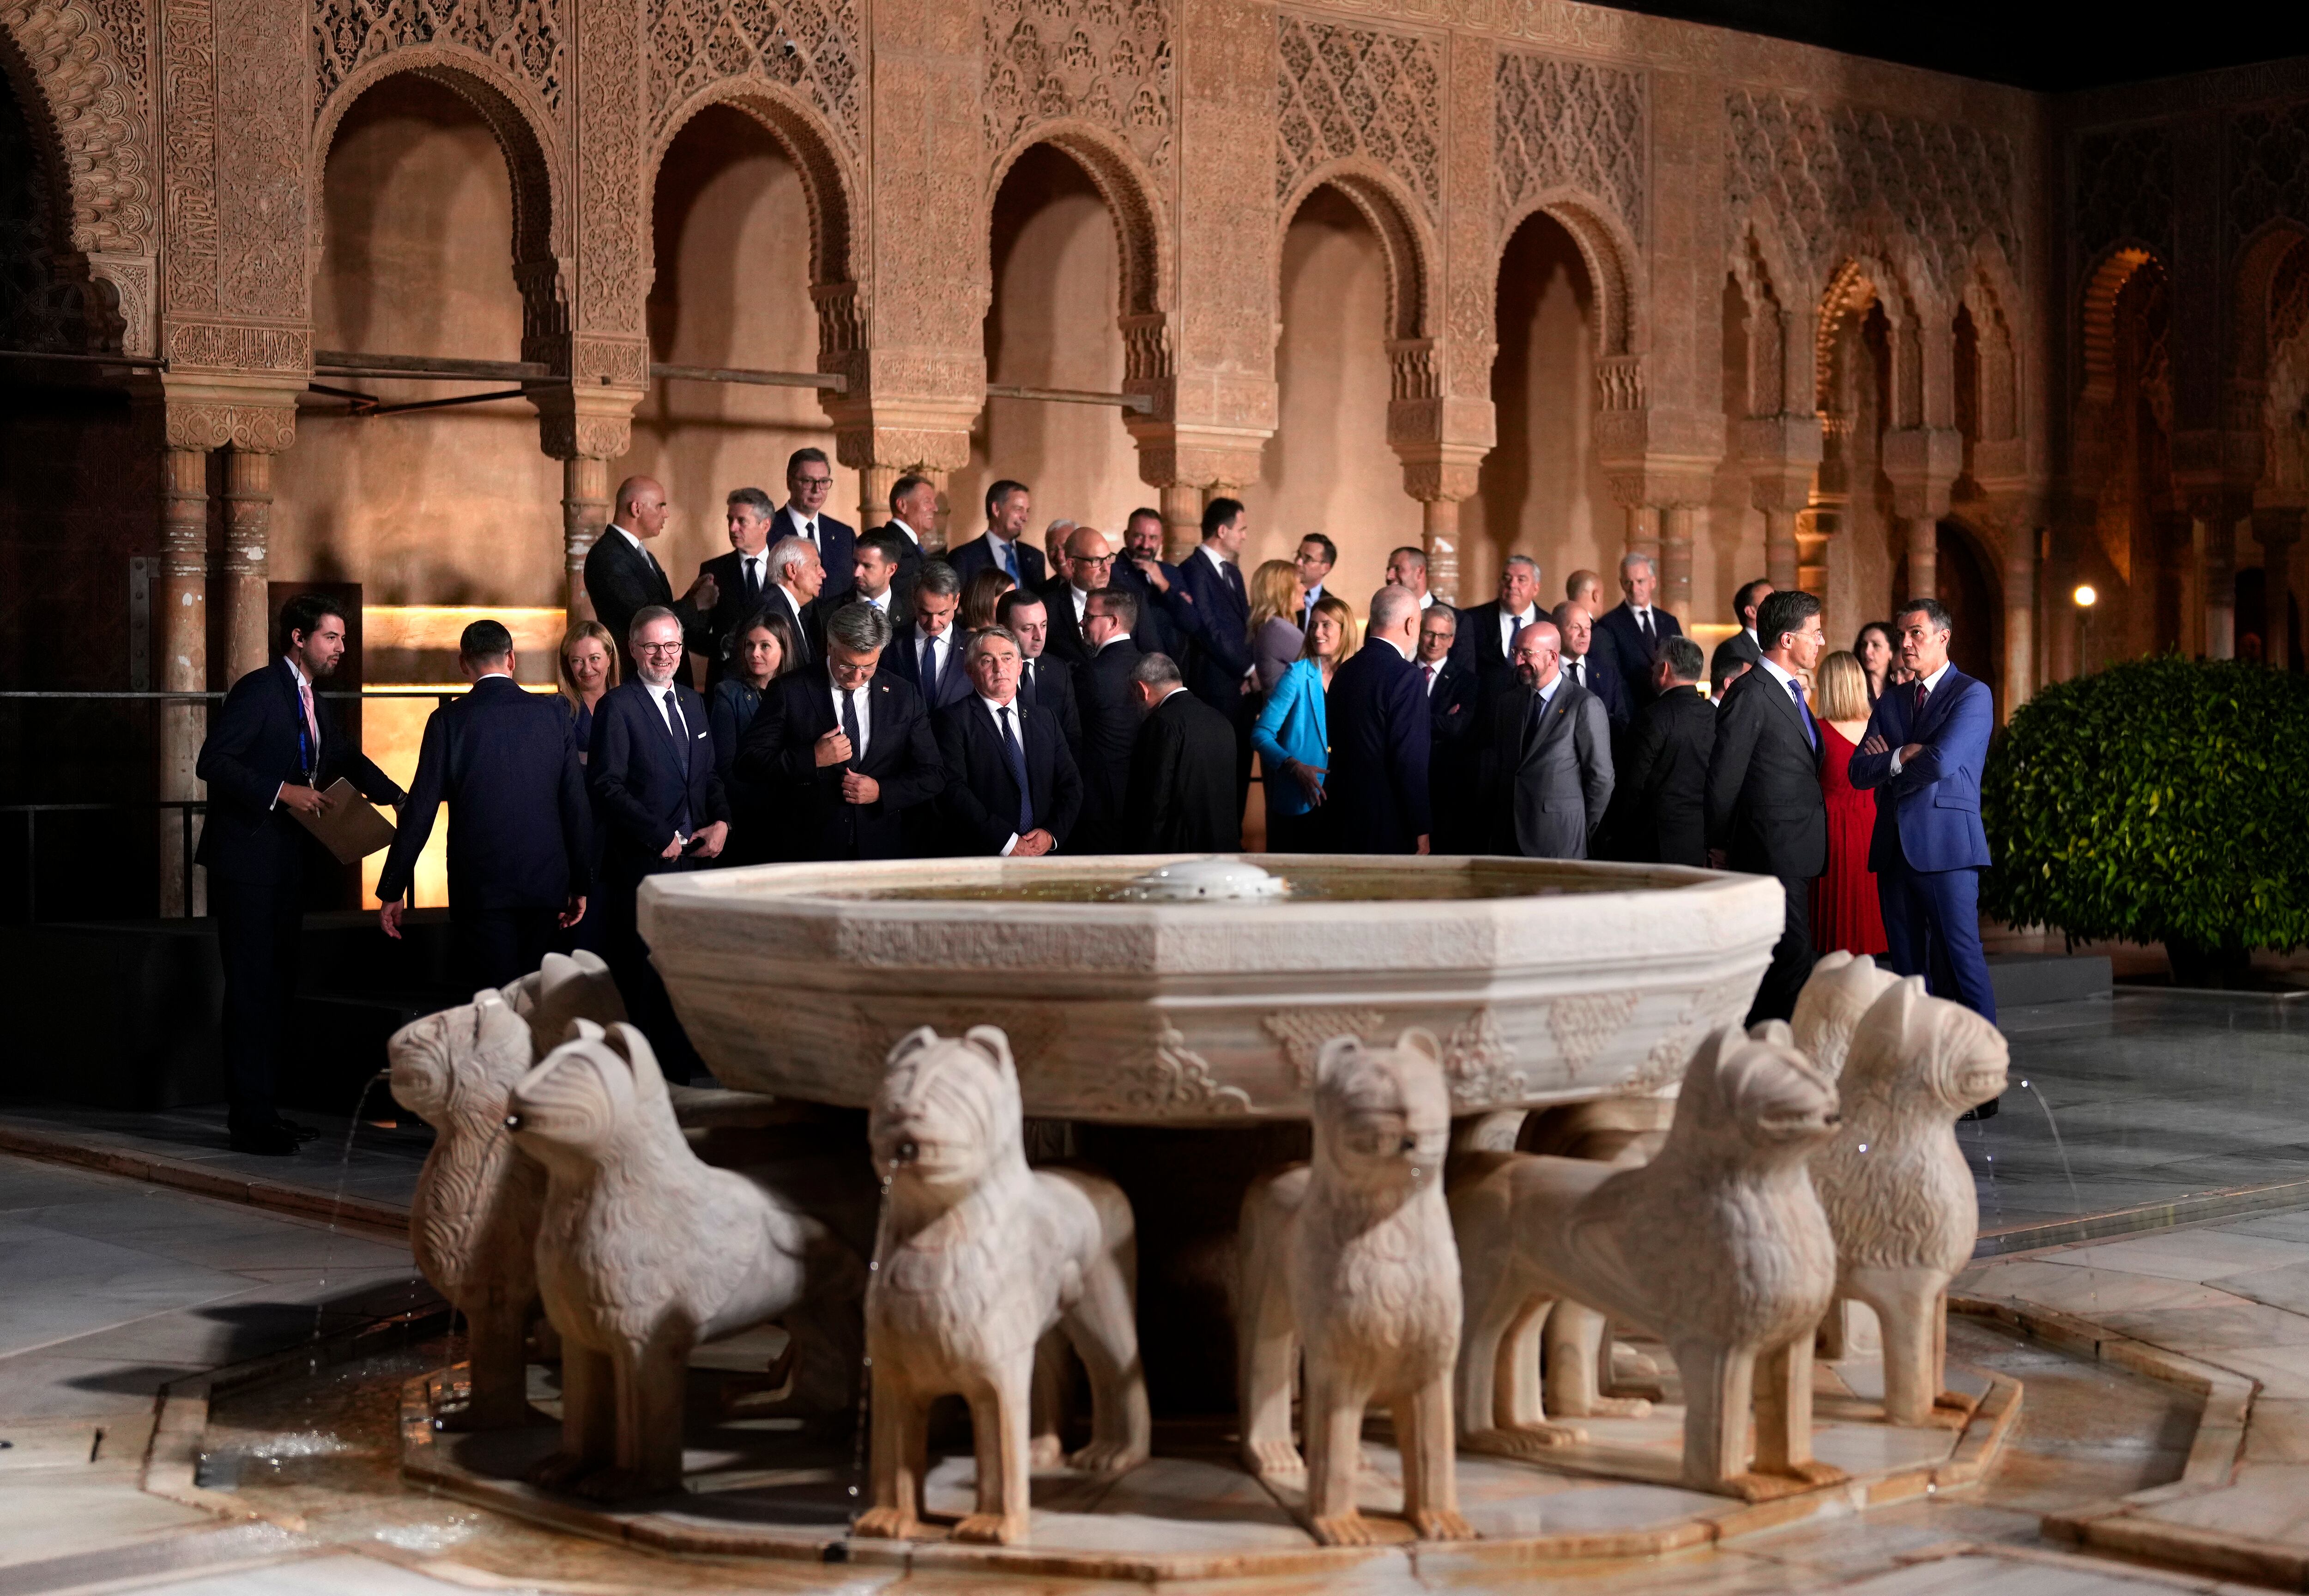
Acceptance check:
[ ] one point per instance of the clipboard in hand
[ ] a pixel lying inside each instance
(350, 826)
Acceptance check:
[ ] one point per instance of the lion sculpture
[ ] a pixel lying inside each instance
(1352, 1257)
(1719, 1245)
(643, 1252)
(979, 1256)
(472, 1223)
(1899, 1195)
(1841, 989)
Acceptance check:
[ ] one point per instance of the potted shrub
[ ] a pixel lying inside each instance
(2160, 800)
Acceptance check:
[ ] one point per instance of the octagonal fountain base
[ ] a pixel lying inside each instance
(756, 1485)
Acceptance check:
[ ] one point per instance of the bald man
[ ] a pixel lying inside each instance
(623, 578)
(1548, 761)
(1379, 729)
(1088, 565)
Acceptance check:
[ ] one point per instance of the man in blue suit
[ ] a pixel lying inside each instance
(272, 747)
(1925, 746)
(1381, 733)
(926, 653)
(1002, 546)
(663, 808)
(1218, 668)
(520, 830)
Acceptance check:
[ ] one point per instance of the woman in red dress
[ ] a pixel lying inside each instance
(1845, 911)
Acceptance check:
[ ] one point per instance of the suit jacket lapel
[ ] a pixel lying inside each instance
(1936, 704)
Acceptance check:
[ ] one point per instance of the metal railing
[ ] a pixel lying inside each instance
(185, 808)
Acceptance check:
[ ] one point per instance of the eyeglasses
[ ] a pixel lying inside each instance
(657, 648)
(1085, 559)
(814, 481)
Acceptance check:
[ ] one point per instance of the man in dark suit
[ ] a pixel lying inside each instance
(1311, 565)
(1012, 788)
(272, 750)
(1589, 668)
(1380, 726)
(1167, 621)
(1488, 631)
(1926, 744)
(1045, 682)
(1631, 631)
(1663, 812)
(1183, 795)
(810, 481)
(1549, 756)
(881, 558)
(1218, 668)
(797, 591)
(844, 750)
(1765, 812)
(927, 652)
(623, 578)
(1455, 731)
(520, 828)
(1406, 567)
(1742, 647)
(1002, 546)
(1110, 720)
(741, 577)
(914, 513)
(661, 808)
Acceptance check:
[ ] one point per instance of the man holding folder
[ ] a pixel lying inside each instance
(272, 753)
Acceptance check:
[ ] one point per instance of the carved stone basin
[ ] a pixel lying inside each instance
(1545, 980)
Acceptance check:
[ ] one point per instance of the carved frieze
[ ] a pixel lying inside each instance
(2269, 167)
(1829, 172)
(1105, 61)
(1301, 1034)
(1585, 1024)
(1571, 124)
(527, 38)
(613, 203)
(226, 346)
(2121, 184)
(1360, 91)
(1169, 1080)
(815, 47)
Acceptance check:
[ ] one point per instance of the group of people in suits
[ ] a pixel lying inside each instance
(1108, 701)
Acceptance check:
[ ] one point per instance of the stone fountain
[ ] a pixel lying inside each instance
(1174, 1024)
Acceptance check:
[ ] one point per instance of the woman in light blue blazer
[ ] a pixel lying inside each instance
(1293, 735)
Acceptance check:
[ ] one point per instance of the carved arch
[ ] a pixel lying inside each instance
(2096, 340)
(1143, 295)
(829, 194)
(1780, 343)
(1407, 247)
(1609, 253)
(2257, 269)
(82, 106)
(1992, 295)
(1859, 280)
(525, 136)
(46, 298)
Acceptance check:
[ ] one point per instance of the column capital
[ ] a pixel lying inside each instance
(575, 422)
(1923, 463)
(255, 414)
(2276, 526)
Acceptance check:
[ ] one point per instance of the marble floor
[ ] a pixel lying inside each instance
(114, 1288)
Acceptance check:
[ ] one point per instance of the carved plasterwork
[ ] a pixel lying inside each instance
(813, 47)
(527, 38)
(1346, 92)
(1170, 1079)
(1831, 174)
(1583, 1026)
(1301, 1034)
(2269, 167)
(613, 198)
(1104, 62)
(1480, 1063)
(91, 107)
(44, 301)
(1571, 124)
(2121, 185)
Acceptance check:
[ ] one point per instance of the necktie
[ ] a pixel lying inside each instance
(809, 530)
(1010, 560)
(1804, 710)
(312, 728)
(1027, 684)
(1234, 581)
(1016, 758)
(753, 563)
(1923, 692)
(929, 668)
(678, 727)
(850, 728)
(1427, 674)
(1515, 630)
(1644, 622)
(1579, 671)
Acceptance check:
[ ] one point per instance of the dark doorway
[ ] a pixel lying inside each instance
(1976, 615)
(2252, 618)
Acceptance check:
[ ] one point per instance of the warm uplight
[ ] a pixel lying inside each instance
(2085, 597)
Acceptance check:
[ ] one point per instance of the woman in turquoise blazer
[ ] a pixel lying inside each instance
(1293, 735)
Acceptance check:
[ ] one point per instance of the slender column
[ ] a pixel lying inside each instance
(2218, 563)
(1780, 548)
(2277, 531)
(874, 484)
(2020, 618)
(1675, 559)
(585, 512)
(183, 627)
(247, 532)
(1438, 534)
(1923, 535)
(1182, 519)
(1643, 530)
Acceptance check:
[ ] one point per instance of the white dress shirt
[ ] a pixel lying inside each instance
(910, 532)
(1018, 730)
(1574, 666)
(669, 706)
(1219, 561)
(1433, 671)
(1082, 601)
(943, 642)
(756, 565)
(805, 524)
(1932, 685)
(1641, 614)
(997, 544)
(313, 732)
(1426, 600)
(863, 701)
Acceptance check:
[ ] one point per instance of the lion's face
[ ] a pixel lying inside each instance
(1930, 1052)
(947, 1110)
(572, 1102)
(1382, 1116)
(1772, 1096)
(460, 1061)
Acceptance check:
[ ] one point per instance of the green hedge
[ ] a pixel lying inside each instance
(2161, 800)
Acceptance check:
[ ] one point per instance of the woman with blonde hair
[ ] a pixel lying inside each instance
(1845, 910)
(1275, 639)
(1293, 735)
(588, 669)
